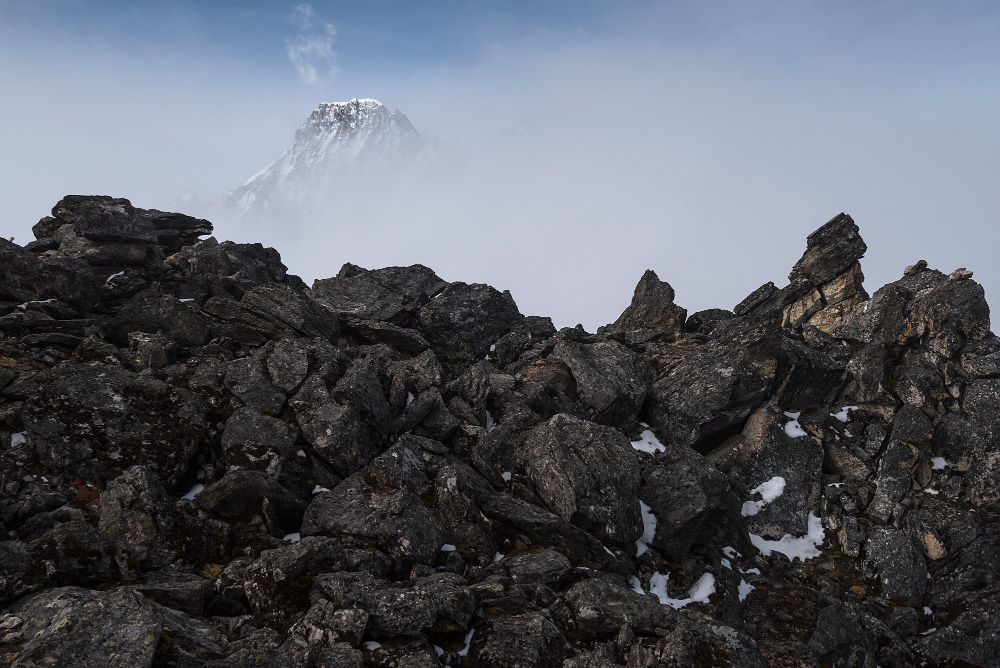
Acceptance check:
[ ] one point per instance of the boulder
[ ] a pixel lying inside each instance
(586, 474)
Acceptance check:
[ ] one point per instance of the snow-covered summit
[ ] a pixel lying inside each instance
(340, 143)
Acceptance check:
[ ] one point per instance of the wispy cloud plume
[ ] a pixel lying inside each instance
(311, 51)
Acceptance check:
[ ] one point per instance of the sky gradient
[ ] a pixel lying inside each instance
(701, 140)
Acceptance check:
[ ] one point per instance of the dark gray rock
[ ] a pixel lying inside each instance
(240, 494)
(387, 295)
(898, 563)
(71, 626)
(687, 496)
(394, 521)
(652, 307)
(588, 475)
(830, 251)
(464, 320)
(773, 447)
(136, 508)
(440, 603)
(184, 592)
(521, 639)
(607, 380)
(161, 314)
(95, 420)
(546, 567)
(598, 606)
(257, 442)
(25, 278)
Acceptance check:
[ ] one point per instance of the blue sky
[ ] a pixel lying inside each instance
(703, 140)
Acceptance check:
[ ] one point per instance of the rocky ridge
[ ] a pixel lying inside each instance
(204, 462)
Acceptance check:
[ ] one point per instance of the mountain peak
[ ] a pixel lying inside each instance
(339, 143)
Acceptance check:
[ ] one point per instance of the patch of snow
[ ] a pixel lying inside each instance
(493, 348)
(769, 490)
(114, 276)
(931, 491)
(648, 529)
(17, 439)
(497, 557)
(753, 571)
(648, 443)
(636, 585)
(409, 398)
(506, 476)
(193, 492)
(371, 645)
(728, 564)
(468, 643)
(608, 551)
(727, 372)
(448, 547)
(698, 593)
(792, 427)
(186, 300)
(928, 631)
(802, 547)
(927, 611)
(293, 537)
(490, 422)
(744, 589)
(939, 464)
(39, 301)
(842, 413)
(317, 489)
(300, 453)
(438, 650)
(731, 552)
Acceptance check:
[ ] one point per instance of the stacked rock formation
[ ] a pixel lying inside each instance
(205, 463)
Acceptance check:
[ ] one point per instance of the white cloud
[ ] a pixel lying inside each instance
(311, 51)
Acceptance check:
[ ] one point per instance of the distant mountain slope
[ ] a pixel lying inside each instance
(339, 145)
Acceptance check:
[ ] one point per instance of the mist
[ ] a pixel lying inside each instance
(567, 164)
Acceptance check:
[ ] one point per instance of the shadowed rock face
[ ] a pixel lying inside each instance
(205, 463)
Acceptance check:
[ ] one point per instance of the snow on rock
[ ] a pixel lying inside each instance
(648, 529)
(468, 643)
(193, 492)
(698, 593)
(744, 589)
(293, 537)
(317, 489)
(802, 547)
(17, 439)
(648, 442)
(939, 464)
(842, 413)
(448, 547)
(793, 428)
(769, 490)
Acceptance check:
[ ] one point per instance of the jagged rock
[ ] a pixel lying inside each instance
(525, 639)
(440, 603)
(775, 446)
(898, 563)
(394, 521)
(652, 307)
(257, 442)
(606, 379)
(599, 605)
(72, 626)
(94, 420)
(464, 320)
(136, 508)
(709, 395)
(387, 295)
(588, 475)
(240, 494)
(830, 251)
(463, 476)
(686, 495)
